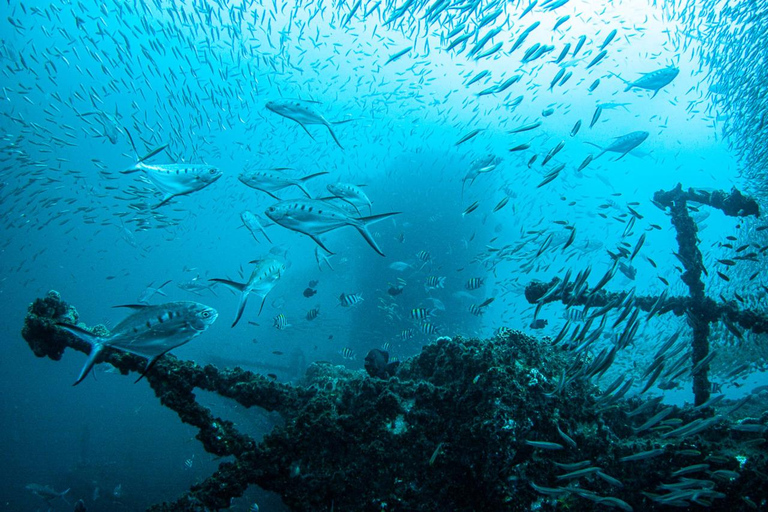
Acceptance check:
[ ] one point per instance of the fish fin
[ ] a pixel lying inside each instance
(61, 495)
(318, 242)
(342, 121)
(265, 235)
(300, 181)
(132, 306)
(655, 92)
(334, 135)
(232, 284)
(152, 153)
(96, 343)
(305, 129)
(150, 363)
(240, 307)
(165, 283)
(166, 198)
(362, 226)
(263, 300)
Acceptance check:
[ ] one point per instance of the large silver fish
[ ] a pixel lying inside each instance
(262, 280)
(314, 217)
(173, 179)
(150, 331)
(655, 80)
(273, 180)
(177, 179)
(303, 113)
(623, 144)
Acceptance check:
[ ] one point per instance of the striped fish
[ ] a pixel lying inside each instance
(435, 282)
(420, 313)
(474, 283)
(281, 322)
(347, 353)
(349, 299)
(312, 313)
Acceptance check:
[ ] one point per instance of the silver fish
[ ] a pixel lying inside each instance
(47, 493)
(176, 179)
(655, 80)
(351, 194)
(150, 331)
(263, 278)
(624, 144)
(251, 222)
(273, 180)
(304, 114)
(313, 217)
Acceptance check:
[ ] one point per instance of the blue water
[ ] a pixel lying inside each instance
(78, 76)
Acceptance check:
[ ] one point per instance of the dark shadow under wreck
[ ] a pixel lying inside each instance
(465, 425)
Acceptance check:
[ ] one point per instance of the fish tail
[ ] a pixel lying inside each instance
(96, 343)
(300, 182)
(362, 226)
(243, 296)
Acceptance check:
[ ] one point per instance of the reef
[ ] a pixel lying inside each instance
(510, 423)
(700, 310)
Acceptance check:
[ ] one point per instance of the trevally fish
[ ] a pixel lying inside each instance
(150, 331)
(47, 493)
(262, 280)
(251, 222)
(653, 81)
(175, 179)
(351, 194)
(273, 180)
(623, 144)
(314, 217)
(150, 292)
(304, 114)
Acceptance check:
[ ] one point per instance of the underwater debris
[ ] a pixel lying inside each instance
(460, 426)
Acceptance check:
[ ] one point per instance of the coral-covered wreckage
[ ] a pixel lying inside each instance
(509, 423)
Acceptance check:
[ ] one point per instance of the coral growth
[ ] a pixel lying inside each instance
(465, 425)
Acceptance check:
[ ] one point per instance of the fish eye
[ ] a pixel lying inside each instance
(212, 171)
(206, 314)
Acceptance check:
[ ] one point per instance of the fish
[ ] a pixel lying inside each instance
(421, 313)
(313, 313)
(468, 136)
(654, 81)
(150, 292)
(280, 323)
(435, 282)
(393, 58)
(351, 194)
(174, 180)
(474, 283)
(47, 493)
(314, 217)
(348, 353)
(149, 332)
(350, 299)
(304, 114)
(623, 144)
(251, 222)
(263, 278)
(274, 180)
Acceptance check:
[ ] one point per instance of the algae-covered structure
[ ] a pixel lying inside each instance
(508, 423)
